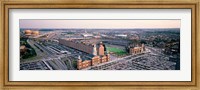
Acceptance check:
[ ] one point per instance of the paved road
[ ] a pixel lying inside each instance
(47, 65)
(70, 64)
(154, 50)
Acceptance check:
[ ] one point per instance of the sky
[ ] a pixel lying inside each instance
(97, 24)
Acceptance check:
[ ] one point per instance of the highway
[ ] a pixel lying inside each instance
(47, 65)
(154, 50)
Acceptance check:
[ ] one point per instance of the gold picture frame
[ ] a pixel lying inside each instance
(6, 5)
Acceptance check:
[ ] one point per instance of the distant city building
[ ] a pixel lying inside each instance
(31, 33)
(121, 35)
(35, 33)
(87, 35)
(137, 49)
(28, 32)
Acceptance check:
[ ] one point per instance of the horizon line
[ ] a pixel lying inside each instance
(99, 28)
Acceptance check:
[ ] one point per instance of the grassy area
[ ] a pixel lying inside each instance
(116, 51)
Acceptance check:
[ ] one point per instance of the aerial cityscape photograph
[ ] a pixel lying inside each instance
(81, 44)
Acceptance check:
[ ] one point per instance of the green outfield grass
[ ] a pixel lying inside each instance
(116, 51)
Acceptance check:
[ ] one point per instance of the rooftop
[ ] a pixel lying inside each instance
(84, 41)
